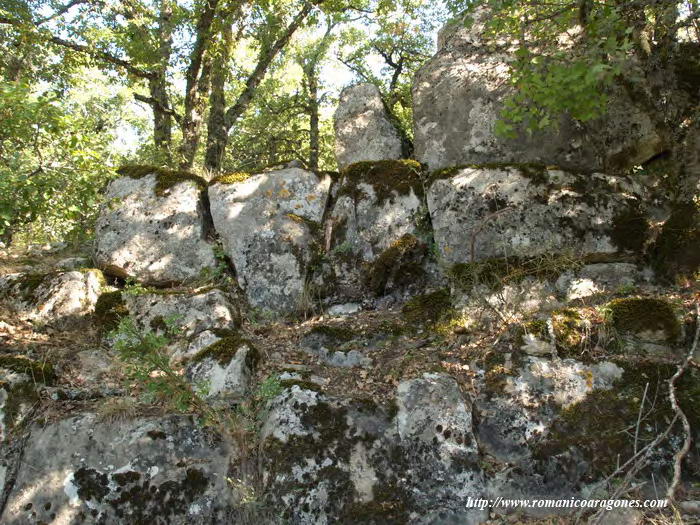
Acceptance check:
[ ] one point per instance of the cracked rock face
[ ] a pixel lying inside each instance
(482, 213)
(163, 470)
(269, 226)
(154, 239)
(418, 463)
(52, 297)
(458, 97)
(363, 129)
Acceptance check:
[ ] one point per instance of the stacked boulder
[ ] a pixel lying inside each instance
(458, 96)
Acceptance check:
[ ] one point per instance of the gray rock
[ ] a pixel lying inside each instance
(363, 129)
(481, 213)
(593, 279)
(329, 460)
(376, 227)
(165, 470)
(154, 239)
(341, 310)
(224, 375)
(192, 313)
(528, 400)
(458, 96)
(59, 297)
(269, 226)
(73, 263)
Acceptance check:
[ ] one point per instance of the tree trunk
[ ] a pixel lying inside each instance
(217, 147)
(197, 78)
(314, 133)
(162, 120)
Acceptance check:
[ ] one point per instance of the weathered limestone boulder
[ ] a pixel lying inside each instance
(191, 313)
(83, 470)
(226, 367)
(458, 96)
(269, 225)
(376, 228)
(57, 297)
(482, 213)
(153, 227)
(364, 130)
(328, 460)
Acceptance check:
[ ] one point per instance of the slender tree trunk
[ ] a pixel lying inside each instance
(216, 125)
(197, 77)
(217, 147)
(314, 134)
(162, 120)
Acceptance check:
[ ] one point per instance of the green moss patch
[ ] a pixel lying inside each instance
(109, 309)
(231, 178)
(639, 314)
(38, 371)
(569, 332)
(428, 308)
(165, 179)
(224, 350)
(337, 333)
(388, 178)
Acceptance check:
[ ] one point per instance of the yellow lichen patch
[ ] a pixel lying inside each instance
(231, 178)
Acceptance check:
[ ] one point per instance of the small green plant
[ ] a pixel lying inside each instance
(133, 287)
(343, 248)
(146, 361)
(251, 410)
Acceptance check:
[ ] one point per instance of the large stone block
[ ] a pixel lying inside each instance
(269, 225)
(152, 228)
(364, 130)
(459, 95)
(83, 470)
(494, 212)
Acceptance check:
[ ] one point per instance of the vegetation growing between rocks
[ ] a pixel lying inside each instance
(388, 178)
(165, 178)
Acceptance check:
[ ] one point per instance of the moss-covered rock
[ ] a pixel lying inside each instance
(636, 315)
(109, 309)
(231, 178)
(165, 178)
(613, 415)
(427, 308)
(402, 262)
(39, 371)
(224, 350)
(388, 178)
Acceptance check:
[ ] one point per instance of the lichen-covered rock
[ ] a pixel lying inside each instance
(376, 227)
(152, 227)
(224, 369)
(517, 406)
(593, 279)
(191, 313)
(490, 212)
(57, 297)
(364, 130)
(269, 225)
(164, 470)
(356, 461)
(459, 94)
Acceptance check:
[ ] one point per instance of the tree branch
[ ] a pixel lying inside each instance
(160, 107)
(81, 48)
